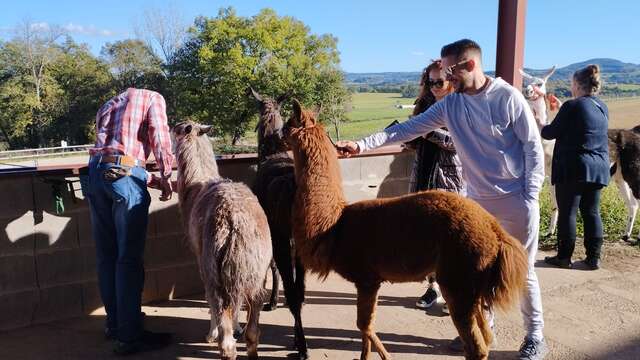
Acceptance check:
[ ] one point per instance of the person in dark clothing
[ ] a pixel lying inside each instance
(580, 166)
(436, 165)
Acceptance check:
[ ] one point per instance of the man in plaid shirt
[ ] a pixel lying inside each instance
(128, 128)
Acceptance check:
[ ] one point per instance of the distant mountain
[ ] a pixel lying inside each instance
(382, 78)
(613, 71)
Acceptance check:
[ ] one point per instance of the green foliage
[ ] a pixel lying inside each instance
(410, 91)
(614, 215)
(86, 84)
(133, 64)
(273, 54)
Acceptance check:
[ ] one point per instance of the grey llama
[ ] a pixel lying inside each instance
(229, 234)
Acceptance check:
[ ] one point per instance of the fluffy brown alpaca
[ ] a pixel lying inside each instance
(229, 234)
(400, 239)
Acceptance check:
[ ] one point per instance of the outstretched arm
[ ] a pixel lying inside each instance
(415, 127)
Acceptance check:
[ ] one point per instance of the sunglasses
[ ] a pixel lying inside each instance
(451, 69)
(438, 84)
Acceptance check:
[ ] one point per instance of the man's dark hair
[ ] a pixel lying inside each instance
(458, 48)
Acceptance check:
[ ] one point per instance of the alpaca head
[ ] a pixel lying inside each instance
(269, 126)
(535, 92)
(189, 131)
(538, 82)
(301, 121)
(194, 153)
(307, 137)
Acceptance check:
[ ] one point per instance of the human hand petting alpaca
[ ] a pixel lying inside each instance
(554, 102)
(347, 148)
(167, 186)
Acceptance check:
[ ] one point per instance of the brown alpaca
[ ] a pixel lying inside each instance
(400, 239)
(229, 234)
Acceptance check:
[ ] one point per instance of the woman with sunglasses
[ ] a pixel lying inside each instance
(436, 165)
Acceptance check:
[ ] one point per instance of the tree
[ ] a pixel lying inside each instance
(410, 91)
(226, 54)
(86, 84)
(133, 64)
(333, 99)
(29, 94)
(164, 31)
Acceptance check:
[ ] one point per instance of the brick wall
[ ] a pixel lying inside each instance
(47, 260)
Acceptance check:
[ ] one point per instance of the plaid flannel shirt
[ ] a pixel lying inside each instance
(134, 123)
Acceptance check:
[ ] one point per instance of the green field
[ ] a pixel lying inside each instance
(373, 111)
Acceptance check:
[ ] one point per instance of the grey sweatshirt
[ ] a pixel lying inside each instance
(495, 135)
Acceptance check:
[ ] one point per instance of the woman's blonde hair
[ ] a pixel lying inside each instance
(588, 79)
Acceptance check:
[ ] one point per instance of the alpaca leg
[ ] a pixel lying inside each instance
(292, 273)
(296, 309)
(237, 328)
(367, 301)
(464, 316)
(553, 221)
(487, 334)
(252, 333)
(213, 329)
(630, 202)
(275, 287)
(226, 341)
(464, 313)
(213, 311)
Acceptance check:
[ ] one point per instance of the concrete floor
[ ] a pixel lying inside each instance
(588, 314)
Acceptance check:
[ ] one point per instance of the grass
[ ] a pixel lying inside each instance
(372, 112)
(612, 209)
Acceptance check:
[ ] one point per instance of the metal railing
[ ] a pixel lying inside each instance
(33, 153)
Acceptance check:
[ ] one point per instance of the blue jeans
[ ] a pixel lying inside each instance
(119, 214)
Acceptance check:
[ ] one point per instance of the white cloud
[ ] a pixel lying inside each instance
(89, 30)
(71, 28)
(39, 26)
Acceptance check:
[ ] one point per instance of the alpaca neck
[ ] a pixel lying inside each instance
(319, 196)
(196, 166)
(269, 146)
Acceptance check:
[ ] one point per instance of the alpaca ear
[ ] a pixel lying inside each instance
(525, 75)
(255, 94)
(188, 129)
(549, 73)
(297, 110)
(204, 129)
(282, 98)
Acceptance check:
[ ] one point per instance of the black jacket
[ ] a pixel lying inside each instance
(581, 153)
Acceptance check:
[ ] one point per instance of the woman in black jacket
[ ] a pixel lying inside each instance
(437, 165)
(580, 166)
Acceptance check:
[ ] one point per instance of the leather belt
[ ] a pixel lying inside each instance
(124, 160)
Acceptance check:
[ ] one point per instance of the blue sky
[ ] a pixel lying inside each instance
(376, 35)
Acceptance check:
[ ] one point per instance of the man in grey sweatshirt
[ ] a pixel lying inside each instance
(498, 142)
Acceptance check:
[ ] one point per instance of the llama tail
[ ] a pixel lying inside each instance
(509, 272)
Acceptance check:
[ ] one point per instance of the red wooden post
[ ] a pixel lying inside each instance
(510, 47)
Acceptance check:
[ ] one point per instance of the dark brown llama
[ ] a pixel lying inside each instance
(275, 187)
(400, 239)
(229, 234)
